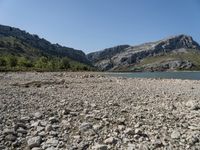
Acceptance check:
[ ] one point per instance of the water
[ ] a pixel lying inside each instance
(160, 75)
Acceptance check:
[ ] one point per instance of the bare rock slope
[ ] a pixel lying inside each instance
(134, 55)
(71, 111)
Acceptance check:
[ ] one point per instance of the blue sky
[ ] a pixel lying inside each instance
(92, 25)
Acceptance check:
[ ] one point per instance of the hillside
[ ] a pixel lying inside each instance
(20, 43)
(174, 53)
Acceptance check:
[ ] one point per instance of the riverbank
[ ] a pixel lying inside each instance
(94, 111)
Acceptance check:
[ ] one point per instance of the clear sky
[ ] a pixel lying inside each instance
(92, 25)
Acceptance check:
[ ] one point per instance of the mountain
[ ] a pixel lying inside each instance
(20, 43)
(174, 53)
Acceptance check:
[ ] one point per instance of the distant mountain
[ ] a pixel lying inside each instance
(20, 43)
(174, 53)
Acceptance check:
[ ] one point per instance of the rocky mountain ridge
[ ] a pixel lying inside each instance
(133, 55)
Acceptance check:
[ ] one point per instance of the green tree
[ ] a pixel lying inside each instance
(11, 61)
(64, 63)
(2, 61)
(24, 62)
(53, 64)
(42, 63)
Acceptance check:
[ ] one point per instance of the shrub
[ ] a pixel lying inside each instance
(64, 63)
(42, 63)
(2, 61)
(24, 62)
(11, 61)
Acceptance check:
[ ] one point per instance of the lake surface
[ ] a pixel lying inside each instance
(161, 75)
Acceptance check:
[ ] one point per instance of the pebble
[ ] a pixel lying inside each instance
(97, 114)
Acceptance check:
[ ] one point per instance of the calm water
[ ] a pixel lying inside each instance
(162, 75)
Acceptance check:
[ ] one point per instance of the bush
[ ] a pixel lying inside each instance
(42, 63)
(64, 63)
(11, 61)
(2, 62)
(53, 64)
(24, 62)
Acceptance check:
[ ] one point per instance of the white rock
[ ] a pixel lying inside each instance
(175, 134)
(38, 115)
(193, 104)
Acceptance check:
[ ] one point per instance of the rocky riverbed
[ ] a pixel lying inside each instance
(79, 111)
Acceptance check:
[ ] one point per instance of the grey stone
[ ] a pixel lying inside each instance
(51, 148)
(175, 134)
(100, 147)
(129, 131)
(52, 142)
(10, 137)
(110, 140)
(36, 148)
(85, 126)
(21, 130)
(53, 119)
(48, 128)
(34, 141)
(38, 115)
(8, 131)
(193, 104)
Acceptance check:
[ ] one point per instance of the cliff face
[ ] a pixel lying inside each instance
(17, 42)
(134, 55)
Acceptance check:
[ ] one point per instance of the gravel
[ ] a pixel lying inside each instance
(95, 111)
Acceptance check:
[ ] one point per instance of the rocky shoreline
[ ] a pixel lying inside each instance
(79, 111)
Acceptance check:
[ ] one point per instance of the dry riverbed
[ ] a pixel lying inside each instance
(79, 111)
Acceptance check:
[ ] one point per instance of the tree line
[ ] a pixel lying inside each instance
(11, 62)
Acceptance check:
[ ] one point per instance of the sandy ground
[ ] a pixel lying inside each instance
(79, 111)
